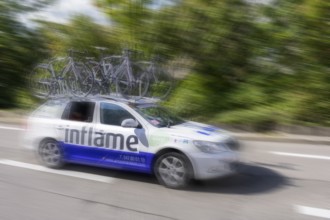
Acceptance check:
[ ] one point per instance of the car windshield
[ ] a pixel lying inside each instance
(158, 116)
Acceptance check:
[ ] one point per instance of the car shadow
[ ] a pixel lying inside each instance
(249, 179)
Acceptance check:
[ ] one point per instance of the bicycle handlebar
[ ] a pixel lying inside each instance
(101, 48)
(128, 52)
(72, 51)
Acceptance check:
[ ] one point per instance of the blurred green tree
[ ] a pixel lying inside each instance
(20, 49)
(129, 18)
(300, 53)
(80, 33)
(267, 60)
(248, 63)
(215, 35)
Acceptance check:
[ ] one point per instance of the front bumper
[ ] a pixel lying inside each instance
(209, 166)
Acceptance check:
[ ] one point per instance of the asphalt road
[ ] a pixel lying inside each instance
(275, 181)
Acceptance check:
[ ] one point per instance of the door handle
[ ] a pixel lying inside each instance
(59, 127)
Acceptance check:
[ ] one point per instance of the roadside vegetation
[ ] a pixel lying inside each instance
(236, 62)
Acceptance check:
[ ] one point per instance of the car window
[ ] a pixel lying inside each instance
(51, 109)
(158, 116)
(79, 111)
(112, 114)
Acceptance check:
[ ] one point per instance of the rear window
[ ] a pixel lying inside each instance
(79, 111)
(51, 109)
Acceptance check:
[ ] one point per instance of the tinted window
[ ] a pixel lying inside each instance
(79, 111)
(51, 109)
(157, 116)
(112, 114)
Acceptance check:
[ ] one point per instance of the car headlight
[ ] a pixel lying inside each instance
(210, 147)
(232, 144)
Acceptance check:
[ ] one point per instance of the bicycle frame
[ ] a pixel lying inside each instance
(60, 78)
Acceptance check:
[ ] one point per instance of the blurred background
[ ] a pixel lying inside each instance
(259, 63)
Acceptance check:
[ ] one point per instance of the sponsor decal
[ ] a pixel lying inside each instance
(210, 129)
(181, 141)
(206, 128)
(203, 132)
(87, 137)
(141, 134)
(154, 122)
(132, 158)
(124, 160)
(158, 138)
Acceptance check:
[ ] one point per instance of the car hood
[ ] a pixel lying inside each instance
(199, 131)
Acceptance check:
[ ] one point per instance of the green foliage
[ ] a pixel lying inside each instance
(265, 66)
(249, 63)
(81, 33)
(279, 76)
(259, 118)
(189, 98)
(20, 49)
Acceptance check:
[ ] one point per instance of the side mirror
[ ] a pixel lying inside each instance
(129, 123)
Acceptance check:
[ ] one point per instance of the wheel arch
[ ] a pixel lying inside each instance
(171, 149)
(42, 140)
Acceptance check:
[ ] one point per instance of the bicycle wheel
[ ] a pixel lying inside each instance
(110, 68)
(98, 80)
(133, 86)
(123, 84)
(41, 81)
(162, 83)
(79, 80)
(140, 83)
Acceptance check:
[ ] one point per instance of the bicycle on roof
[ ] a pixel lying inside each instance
(61, 76)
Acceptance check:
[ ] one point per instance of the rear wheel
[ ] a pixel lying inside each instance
(41, 82)
(50, 154)
(80, 80)
(173, 170)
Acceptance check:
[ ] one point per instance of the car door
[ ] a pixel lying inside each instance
(43, 123)
(126, 146)
(77, 133)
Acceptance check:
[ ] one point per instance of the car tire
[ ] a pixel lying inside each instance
(50, 154)
(173, 170)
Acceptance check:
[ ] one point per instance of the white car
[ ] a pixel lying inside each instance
(140, 137)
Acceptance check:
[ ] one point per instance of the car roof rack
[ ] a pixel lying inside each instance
(134, 101)
(138, 100)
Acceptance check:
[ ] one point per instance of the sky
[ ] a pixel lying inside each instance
(62, 10)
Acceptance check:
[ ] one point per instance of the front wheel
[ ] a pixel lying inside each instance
(173, 170)
(161, 85)
(133, 84)
(140, 86)
(123, 84)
